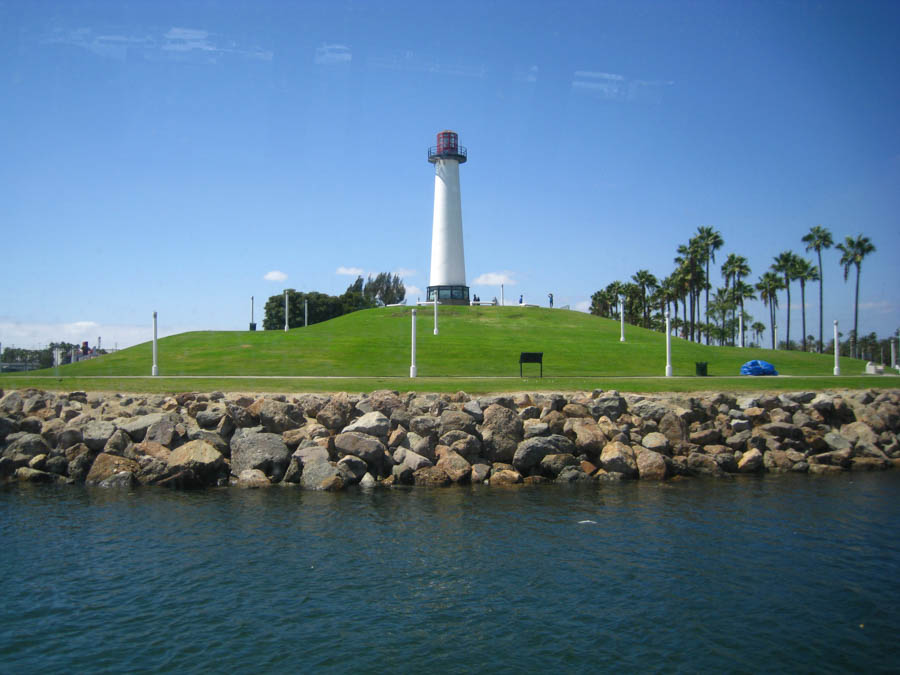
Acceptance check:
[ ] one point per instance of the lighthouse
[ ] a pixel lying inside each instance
(448, 263)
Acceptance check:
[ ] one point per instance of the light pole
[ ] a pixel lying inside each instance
(285, 310)
(741, 327)
(893, 352)
(668, 346)
(837, 363)
(412, 368)
(305, 313)
(502, 300)
(435, 315)
(622, 318)
(154, 371)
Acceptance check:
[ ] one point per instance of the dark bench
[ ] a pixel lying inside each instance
(531, 357)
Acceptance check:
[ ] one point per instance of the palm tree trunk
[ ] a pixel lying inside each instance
(772, 321)
(787, 285)
(803, 310)
(856, 318)
(706, 307)
(821, 282)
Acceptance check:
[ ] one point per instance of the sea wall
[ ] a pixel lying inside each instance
(332, 442)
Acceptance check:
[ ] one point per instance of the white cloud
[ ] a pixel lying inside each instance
(275, 275)
(495, 279)
(350, 271)
(404, 272)
(583, 306)
(882, 307)
(413, 292)
(331, 54)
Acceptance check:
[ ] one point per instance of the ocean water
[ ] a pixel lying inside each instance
(771, 574)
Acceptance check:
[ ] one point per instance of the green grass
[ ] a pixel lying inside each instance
(475, 344)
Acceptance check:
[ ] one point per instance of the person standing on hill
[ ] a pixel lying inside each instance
(550, 295)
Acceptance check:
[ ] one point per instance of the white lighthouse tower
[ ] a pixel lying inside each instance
(448, 263)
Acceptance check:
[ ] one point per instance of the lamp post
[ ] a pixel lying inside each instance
(668, 346)
(741, 328)
(154, 371)
(893, 352)
(837, 363)
(305, 313)
(622, 318)
(435, 314)
(412, 368)
(285, 310)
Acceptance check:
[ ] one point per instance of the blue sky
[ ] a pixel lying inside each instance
(171, 156)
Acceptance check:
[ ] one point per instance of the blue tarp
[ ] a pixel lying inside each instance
(758, 368)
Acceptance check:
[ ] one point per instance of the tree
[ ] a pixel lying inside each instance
(768, 286)
(644, 280)
(758, 329)
(708, 242)
(804, 271)
(385, 289)
(817, 239)
(601, 303)
(852, 253)
(786, 265)
(688, 261)
(743, 291)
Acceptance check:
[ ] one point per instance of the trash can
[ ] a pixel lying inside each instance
(701, 368)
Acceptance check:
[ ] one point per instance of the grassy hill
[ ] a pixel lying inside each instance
(473, 342)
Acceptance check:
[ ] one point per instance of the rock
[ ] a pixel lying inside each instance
(480, 472)
(367, 481)
(704, 465)
(859, 432)
(650, 464)
(414, 460)
(202, 458)
(336, 413)
(673, 428)
(501, 432)
(164, 431)
(29, 475)
(122, 479)
(252, 479)
(117, 443)
(454, 420)
(276, 417)
(706, 437)
(468, 447)
(424, 426)
(383, 401)
(648, 409)
(782, 430)
(455, 466)
(431, 476)
(756, 416)
(529, 453)
(611, 406)
(474, 410)
(7, 426)
(619, 458)
(137, 427)
(869, 464)
(751, 461)
(533, 428)
(656, 442)
(552, 465)
(555, 421)
(402, 474)
(321, 475)
(505, 477)
(588, 438)
(352, 469)
(263, 451)
(570, 474)
(27, 444)
(837, 443)
(576, 410)
(824, 469)
(372, 423)
(367, 448)
(106, 466)
(97, 433)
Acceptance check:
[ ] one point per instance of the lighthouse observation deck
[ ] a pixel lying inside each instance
(447, 147)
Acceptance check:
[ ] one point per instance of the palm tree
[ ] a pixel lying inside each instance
(644, 280)
(687, 260)
(852, 253)
(817, 239)
(758, 329)
(735, 268)
(708, 242)
(768, 286)
(805, 271)
(786, 264)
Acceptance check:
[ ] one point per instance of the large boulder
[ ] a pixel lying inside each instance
(200, 457)
(501, 432)
(136, 427)
(617, 457)
(336, 413)
(553, 465)
(529, 453)
(455, 466)
(651, 465)
(372, 423)
(276, 417)
(656, 442)
(106, 466)
(612, 406)
(589, 439)
(367, 448)
(263, 451)
(455, 420)
(97, 433)
(27, 444)
(648, 409)
(322, 475)
(431, 476)
(751, 461)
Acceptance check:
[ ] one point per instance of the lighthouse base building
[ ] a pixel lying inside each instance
(448, 263)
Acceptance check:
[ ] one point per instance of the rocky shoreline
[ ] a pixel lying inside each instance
(333, 442)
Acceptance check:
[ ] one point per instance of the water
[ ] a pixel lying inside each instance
(787, 574)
